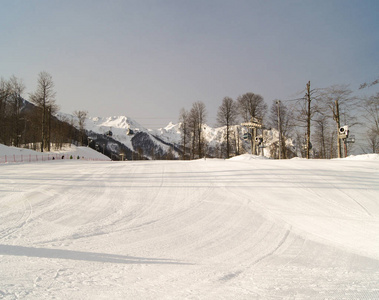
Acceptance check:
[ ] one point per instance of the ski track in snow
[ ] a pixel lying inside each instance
(206, 229)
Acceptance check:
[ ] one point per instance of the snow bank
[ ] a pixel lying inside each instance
(371, 156)
(248, 157)
(6, 150)
(82, 152)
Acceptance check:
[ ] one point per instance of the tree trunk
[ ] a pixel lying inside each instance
(227, 141)
(43, 129)
(337, 118)
(308, 118)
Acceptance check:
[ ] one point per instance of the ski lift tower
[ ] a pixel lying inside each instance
(252, 126)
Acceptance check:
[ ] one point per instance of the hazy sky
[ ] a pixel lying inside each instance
(149, 59)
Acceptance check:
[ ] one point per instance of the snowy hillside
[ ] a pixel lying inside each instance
(13, 154)
(244, 228)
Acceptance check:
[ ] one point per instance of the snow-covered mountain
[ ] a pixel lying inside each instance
(137, 139)
(122, 128)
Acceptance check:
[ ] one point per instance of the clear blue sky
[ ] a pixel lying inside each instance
(149, 59)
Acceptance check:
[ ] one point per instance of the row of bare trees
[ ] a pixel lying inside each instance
(319, 115)
(34, 126)
(192, 123)
(247, 107)
(44, 99)
(11, 119)
(327, 110)
(312, 122)
(193, 143)
(371, 118)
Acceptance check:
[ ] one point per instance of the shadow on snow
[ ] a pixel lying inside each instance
(82, 256)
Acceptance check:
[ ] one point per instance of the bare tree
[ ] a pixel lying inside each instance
(16, 89)
(81, 115)
(11, 120)
(227, 116)
(321, 135)
(184, 126)
(305, 110)
(44, 99)
(192, 136)
(5, 92)
(370, 107)
(196, 119)
(309, 115)
(340, 101)
(373, 139)
(251, 106)
(281, 117)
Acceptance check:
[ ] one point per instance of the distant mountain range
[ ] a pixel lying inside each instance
(121, 137)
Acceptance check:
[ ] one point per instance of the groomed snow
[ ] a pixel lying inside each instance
(206, 229)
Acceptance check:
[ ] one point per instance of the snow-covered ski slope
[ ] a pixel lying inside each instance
(207, 229)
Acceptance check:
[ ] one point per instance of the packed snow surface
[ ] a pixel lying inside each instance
(204, 229)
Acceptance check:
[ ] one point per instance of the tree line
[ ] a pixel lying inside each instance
(35, 126)
(312, 122)
(230, 113)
